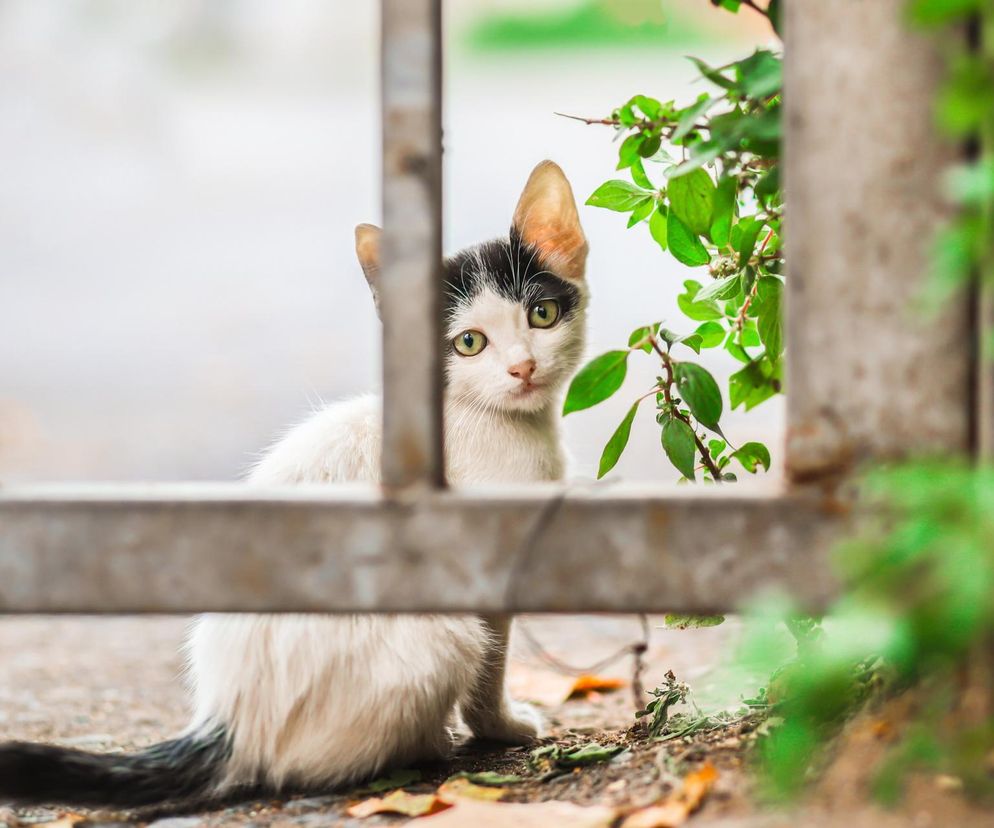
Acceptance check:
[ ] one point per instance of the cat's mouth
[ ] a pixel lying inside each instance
(527, 389)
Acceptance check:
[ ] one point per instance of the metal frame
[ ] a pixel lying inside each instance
(867, 381)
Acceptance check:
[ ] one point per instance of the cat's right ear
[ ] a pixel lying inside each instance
(367, 248)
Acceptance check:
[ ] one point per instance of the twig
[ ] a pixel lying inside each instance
(645, 124)
(589, 121)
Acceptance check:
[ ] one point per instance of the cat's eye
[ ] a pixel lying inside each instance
(544, 314)
(469, 343)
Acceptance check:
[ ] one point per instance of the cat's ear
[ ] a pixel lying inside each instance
(367, 248)
(546, 218)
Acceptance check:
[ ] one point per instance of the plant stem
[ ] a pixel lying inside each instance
(709, 463)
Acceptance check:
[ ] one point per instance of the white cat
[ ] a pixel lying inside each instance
(314, 701)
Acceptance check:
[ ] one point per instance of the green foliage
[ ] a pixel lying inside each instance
(616, 445)
(917, 606)
(917, 609)
(705, 184)
(603, 24)
(555, 760)
(596, 381)
(676, 621)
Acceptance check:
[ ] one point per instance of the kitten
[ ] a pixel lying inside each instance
(291, 702)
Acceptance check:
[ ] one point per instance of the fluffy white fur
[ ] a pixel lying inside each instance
(322, 700)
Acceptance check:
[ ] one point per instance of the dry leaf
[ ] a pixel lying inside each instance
(460, 787)
(697, 785)
(64, 821)
(518, 815)
(680, 806)
(667, 815)
(590, 685)
(400, 802)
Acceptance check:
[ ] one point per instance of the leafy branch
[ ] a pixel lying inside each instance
(713, 201)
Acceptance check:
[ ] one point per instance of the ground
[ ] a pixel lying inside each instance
(113, 684)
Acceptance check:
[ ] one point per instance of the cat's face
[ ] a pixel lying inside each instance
(514, 329)
(514, 307)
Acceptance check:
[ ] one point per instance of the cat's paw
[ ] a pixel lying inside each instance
(517, 724)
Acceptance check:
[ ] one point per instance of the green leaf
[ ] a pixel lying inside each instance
(616, 445)
(712, 75)
(675, 621)
(643, 335)
(755, 383)
(775, 12)
(620, 196)
(395, 779)
(678, 443)
(641, 212)
(683, 244)
(689, 116)
(700, 391)
(716, 447)
(698, 311)
(650, 107)
(724, 211)
(628, 152)
(650, 146)
(745, 239)
(770, 321)
(700, 154)
(692, 341)
(657, 227)
(768, 186)
(737, 350)
(726, 288)
(761, 74)
(596, 381)
(692, 200)
(932, 12)
(753, 455)
(491, 778)
(588, 754)
(712, 334)
(637, 171)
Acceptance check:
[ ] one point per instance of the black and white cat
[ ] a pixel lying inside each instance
(314, 701)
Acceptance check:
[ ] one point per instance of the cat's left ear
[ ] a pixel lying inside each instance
(367, 248)
(546, 218)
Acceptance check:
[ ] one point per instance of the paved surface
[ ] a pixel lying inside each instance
(115, 683)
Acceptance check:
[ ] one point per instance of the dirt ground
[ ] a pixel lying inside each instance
(114, 684)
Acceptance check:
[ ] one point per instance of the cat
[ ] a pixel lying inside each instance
(307, 702)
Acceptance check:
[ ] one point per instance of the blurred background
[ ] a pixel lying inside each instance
(180, 183)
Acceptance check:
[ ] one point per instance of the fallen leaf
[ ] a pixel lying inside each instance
(883, 729)
(589, 685)
(486, 778)
(64, 821)
(518, 815)
(460, 787)
(553, 760)
(400, 802)
(680, 806)
(667, 815)
(396, 779)
(697, 784)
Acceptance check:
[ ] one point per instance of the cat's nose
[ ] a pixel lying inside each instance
(522, 370)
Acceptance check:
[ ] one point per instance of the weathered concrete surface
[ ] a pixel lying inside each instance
(870, 375)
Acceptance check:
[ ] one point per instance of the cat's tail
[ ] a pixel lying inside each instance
(190, 766)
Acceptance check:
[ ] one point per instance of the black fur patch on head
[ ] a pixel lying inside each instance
(510, 268)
